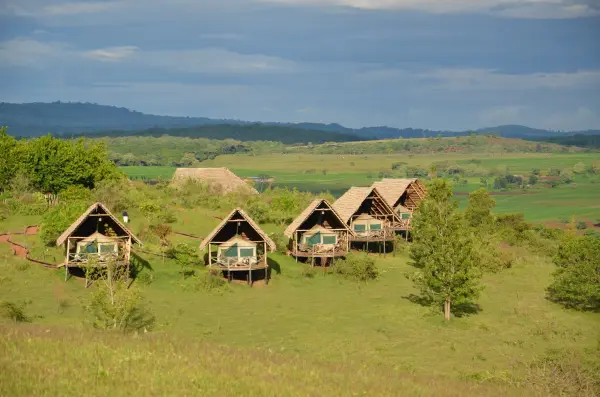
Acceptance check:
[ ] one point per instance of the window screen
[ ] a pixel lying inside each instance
(314, 239)
(406, 215)
(359, 228)
(107, 248)
(246, 252)
(232, 252)
(91, 248)
(375, 226)
(329, 239)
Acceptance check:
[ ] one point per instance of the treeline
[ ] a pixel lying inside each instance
(244, 133)
(474, 143)
(50, 165)
(581, 140)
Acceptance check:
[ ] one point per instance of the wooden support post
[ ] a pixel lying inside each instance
(384, 243)
(66, 272)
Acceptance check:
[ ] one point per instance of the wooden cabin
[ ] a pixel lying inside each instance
(404, 196)
(96, 238)
(319, 232)
(368, 215)
(238, 244)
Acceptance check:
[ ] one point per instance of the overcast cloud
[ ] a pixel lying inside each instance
(452, 64)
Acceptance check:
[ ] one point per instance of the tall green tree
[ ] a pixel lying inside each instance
(479, 208)
(577, 277)
(10, 158)
(443, 251)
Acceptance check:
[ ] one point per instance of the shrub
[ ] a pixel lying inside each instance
(145, 278)
(281, 241)
(577, 277)
(358, 267)
(581, 225)
(13, 311)
(210, 281)
(58, 219)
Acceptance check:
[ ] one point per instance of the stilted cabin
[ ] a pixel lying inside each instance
(319, 232)
(404, 196)
(238, 244)
(368, 215)
(220, 180)
(96, 238)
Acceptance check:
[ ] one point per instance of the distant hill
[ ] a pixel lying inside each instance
(245, 132)
(34, 119)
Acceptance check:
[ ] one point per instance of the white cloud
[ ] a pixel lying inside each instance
(511, 8)
(111, 54)
(24, 52)
(216, 61)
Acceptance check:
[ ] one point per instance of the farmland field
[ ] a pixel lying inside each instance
(336, 173)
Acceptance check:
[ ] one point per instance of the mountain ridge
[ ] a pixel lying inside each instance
(81, 118)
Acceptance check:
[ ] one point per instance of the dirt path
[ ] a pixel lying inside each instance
(20, 250)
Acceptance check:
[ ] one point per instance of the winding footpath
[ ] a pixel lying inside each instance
(21, 250)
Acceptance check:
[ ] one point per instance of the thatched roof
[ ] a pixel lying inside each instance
(96, 208)
(300, 219)
(353, 199)
(392, 189)
(226, 180)
(244, 217)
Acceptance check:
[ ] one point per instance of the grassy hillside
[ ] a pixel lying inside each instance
(300, 335)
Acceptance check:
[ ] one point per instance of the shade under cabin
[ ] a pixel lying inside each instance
(238, 244)
(96, 239)
(319, 232)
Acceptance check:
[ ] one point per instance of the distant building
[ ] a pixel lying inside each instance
(221, 180)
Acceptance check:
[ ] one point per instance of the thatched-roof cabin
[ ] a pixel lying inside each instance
(367, 213)
(96, 238)
(404, 196)
(222, 180)
(319, 232)
(241, 246)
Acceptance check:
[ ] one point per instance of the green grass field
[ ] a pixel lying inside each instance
(297, 336)
(581, 200)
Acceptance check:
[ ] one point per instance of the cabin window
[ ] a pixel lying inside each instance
(360, 228)
(375, 226)
(246, 252)
(108, 248)
(329, 239)
(314, 239)
(91, 248)
(232, 252)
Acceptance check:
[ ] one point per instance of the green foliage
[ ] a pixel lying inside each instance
(479, 209)
(54, 164)
(10, 159)
(281, 241)
(577, 277)
(186, 257)
(114, 305)
(14, 311)
(581, 225)
(58, 219)
(359, 267)
(443, 252)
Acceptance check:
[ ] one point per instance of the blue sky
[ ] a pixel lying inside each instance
(438, 64)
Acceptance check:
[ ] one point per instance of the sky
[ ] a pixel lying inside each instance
(436, 64)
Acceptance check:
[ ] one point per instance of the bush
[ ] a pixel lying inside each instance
(581, 225)
(210, 281)
(13, 311)
(358, 267)
(145, 278)
(577, 277)
(58, 219)
(281, 241)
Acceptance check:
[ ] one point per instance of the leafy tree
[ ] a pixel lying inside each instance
(10, 161)
(577, 279)
(533, 179)
(479, 208)
(443, 252)
(59, 218)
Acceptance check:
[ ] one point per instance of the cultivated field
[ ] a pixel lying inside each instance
(336, 173)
